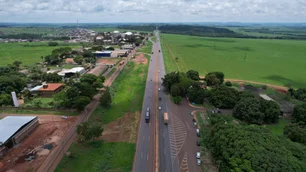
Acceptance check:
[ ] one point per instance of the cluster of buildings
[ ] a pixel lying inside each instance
(115, 37)
(7, 40)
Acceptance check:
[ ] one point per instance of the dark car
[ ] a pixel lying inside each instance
(198, 143)
(159, 50)
(147, 117)
(152, 52)
(193, 120)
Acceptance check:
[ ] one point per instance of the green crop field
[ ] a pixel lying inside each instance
(27, 53)
(279, 62)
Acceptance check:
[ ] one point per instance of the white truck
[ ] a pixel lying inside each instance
(166, 118)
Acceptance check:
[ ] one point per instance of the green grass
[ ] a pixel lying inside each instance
(153, 39)
(35, 30)
(128, 92)
(44, 102)
(278, 128)
(99, 156)
(28, 55)
(147, 48)
(279, 62)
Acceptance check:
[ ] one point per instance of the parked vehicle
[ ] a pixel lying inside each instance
(166, 118)
(193, 120)
(198, 143)
(195, 123)
(198, 132)
(198, 155)
(64, 117)
(198, 162)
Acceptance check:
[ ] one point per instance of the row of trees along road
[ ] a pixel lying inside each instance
(251, 148)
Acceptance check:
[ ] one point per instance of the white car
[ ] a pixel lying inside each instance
(159, 108)
(158, 71)
(64, 117)
(195, 123)
(158, 89)
(198, 162)
(198, 155)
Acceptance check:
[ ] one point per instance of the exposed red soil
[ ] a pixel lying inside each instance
(50, 130)
(140, 59)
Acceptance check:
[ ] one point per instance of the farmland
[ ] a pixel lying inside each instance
(27, 53)
(279, 62)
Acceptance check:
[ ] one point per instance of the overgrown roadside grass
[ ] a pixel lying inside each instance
(170, 64)
(127, 93)
(99, 156)
(127, 90)
(278, 128)
(153, 39)
(147, 48)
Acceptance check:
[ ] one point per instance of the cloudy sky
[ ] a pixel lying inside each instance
(87, 11)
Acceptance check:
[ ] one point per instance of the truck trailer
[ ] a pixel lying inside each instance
(166, 118)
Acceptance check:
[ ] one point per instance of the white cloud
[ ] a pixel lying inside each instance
(151, 10)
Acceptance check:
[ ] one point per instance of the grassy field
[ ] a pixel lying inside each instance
(33, 30)
(99, 156)
(27, 53)
(279, 62)
(278, 129)
(147, 48)
(128, 92)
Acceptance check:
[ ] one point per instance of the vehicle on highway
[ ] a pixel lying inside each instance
(159, 50)
(159, 98)
(198, 132)
(198, 143)
(159, 108)
(198, 155)
(64, 117)
(158, 89)
(158, 71)
(198, 162)
(147, 117)
(166, 118)
(152, 52)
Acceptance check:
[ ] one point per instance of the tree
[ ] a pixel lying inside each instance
(192, 74)
(106, 99)
(248, 110)
(299, 113)
(177, 99)
(87, 132)
(6, 99)
(228, 83)
(17, 64)
(257, 111)
(296, 133)
(52, 43)
(224, 97)
(169, 79)
(89, 78)
(175, 90)
(80, 102)
(78, 59)
(214, 78)
(197, 95)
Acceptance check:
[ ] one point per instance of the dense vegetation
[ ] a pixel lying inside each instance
(299, 94)
(251, 148)
(79, 94)
(11, 80)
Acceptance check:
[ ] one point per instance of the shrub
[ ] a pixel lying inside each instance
(228, 83)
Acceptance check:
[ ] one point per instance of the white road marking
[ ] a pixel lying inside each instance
(147, 157)
(142, 137)
(141, 155)
(150, 124)
(149, 138)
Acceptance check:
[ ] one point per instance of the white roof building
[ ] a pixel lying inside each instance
(80, 70)
(11, 124)
(129, 33)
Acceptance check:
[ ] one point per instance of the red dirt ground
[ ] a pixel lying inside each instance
(122, 130)
(97, 70)
(140, 59)
(50, 131)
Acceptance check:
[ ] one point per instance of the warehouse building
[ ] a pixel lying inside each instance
(100, 54)
(13, 129)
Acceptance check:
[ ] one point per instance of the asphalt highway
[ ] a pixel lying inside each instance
(145, 149)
